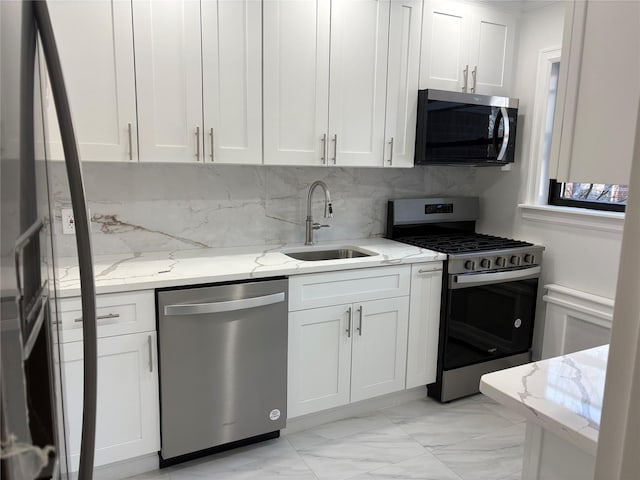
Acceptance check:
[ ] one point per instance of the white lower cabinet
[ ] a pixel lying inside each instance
(350, 351)
(127, 423)
(128, 420)
(346, 353)
(424, 324)
(378, 359)
(319, 373)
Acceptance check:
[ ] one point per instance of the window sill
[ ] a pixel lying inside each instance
(582, 218)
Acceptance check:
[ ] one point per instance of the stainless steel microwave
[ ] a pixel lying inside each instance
(465, 129)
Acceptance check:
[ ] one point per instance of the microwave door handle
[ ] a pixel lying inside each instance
(504, 113)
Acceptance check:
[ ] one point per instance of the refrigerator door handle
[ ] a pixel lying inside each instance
(83, 237)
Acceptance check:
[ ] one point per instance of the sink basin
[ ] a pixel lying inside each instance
(329, 254)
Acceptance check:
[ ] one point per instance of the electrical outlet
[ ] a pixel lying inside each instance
(68, 223)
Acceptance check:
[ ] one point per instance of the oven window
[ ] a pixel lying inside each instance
(489, 321)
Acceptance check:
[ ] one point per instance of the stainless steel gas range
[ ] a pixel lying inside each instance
(489, 290)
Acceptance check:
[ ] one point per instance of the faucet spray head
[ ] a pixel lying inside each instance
(328, 210)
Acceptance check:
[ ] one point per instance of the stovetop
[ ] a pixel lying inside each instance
(463, 242)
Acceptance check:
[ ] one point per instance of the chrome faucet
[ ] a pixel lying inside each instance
(328, 211)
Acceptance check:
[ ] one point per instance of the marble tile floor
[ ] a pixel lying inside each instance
(469, 439)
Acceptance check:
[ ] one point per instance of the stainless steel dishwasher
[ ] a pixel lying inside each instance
(223, 366)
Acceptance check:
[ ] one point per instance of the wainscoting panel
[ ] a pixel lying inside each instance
(574, 320)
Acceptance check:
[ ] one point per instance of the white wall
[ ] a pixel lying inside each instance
(577, 257)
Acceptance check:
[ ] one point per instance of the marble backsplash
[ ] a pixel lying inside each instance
(164, 207)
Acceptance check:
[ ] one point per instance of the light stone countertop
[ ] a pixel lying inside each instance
(142, 271)
(563, 394)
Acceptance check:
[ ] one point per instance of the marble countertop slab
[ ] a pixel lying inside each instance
(562, 394)
(141, 271)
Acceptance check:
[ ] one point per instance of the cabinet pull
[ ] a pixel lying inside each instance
(474, 74)
(100, 317)
(391, 152)
(360, 324)
(335, 149)
(350, 313)
(197, 144)
(465, 75)
(130, 142)
(150, 354)
(323, 139)
(211, 135)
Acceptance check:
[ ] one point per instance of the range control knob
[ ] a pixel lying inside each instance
(501, 262)
(485, 263)
(529, 258)
(515, 260)
(470, 265)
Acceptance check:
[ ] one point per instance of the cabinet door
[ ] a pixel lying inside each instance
(379, 357)
(359, 46)
(424, 324)
(95, 41)
(594, 132)
(319, 359)
(169, 79)
(491, 52)
(296, 81)
(402, 82)
(445, 46)
(127, 411)
(232, 80)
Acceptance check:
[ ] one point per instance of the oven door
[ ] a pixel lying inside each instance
(489, 315)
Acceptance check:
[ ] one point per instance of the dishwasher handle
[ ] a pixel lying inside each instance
(228, 306)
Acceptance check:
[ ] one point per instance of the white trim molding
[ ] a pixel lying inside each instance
(574, 320)
(582, 218)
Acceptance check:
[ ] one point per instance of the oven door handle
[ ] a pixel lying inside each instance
(475, 279)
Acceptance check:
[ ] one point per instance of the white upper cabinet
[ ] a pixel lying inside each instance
(232, 80)
(169, 80)
(296, 81)
(402, 82)
(327, 100)
(598, 89)
(466, 48)
(95, 41)
(359, 44)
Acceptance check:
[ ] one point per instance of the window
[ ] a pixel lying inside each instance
(596, 196)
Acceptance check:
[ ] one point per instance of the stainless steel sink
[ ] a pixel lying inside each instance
(333, 254)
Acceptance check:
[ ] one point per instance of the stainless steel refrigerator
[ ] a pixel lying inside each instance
(32, 436)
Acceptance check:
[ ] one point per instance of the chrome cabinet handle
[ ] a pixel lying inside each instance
(227, 306)
(323, 139)
(211, 136)
(391, 152)
(474, 74)
(350, 313)
(360, 324)
(150, 354)
(465, 74)
(130, 142)
(422, 271)
(100, 317)
(335, 148)
(198, 144)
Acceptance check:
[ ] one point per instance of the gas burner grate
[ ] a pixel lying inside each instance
(463, 242)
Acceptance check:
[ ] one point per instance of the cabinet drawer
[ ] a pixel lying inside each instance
(334, 288)
(117, 314)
